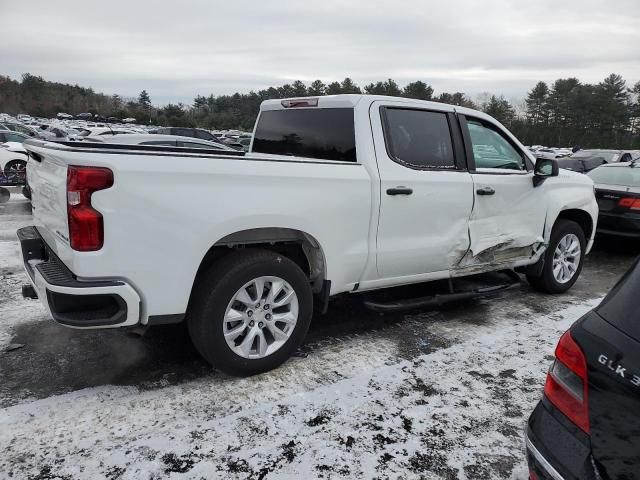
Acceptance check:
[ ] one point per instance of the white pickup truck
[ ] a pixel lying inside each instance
(337, 194)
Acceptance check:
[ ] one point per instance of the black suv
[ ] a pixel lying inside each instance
(188, 132)
(587, 425)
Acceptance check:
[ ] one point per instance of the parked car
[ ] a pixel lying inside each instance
(314, 209)
(95, 131)
(587, 424)
(188, 132)
(19, 128)
(245, 143)
(610, 156)
(157, 140)
(545, 153)
(581, 164)
(617, 188)
(11, 136)
(13, 163)
(84, 116)
(584, 161)
(53, 132)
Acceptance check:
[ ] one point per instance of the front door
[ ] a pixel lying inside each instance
(508, 217)
(426, 190)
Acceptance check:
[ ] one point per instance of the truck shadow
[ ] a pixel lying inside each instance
(56, 360)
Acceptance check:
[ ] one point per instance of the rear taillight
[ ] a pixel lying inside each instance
(567, 384)
(86, 231)
(630, 203)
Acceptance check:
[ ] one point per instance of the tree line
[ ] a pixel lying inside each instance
(564, 113)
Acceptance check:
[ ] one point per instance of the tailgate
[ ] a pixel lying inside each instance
(47, 178)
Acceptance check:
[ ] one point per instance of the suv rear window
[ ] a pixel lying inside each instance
(616, 175)
(323, 133)
(619, 306)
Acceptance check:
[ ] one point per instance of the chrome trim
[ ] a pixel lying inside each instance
(542, 461)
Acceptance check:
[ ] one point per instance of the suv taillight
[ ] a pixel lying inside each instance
(567, 383)
(630, 203)
(86, 231)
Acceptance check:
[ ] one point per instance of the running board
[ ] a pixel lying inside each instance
(440, 299)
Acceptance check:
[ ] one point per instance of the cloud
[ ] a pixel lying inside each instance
(178, 50)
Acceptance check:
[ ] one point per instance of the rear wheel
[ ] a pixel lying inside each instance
(16, 171)
(563, 259)
(250, 312)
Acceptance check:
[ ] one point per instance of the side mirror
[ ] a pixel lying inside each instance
(545, 167)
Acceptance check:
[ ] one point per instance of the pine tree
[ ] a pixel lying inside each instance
(500, 109)
(334, 88)
(144, 100)
(299, 89)
(418, 90)
(347, 86)
(317, 88)
(536, 103)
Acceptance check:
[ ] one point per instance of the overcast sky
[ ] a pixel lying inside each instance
(176, 50)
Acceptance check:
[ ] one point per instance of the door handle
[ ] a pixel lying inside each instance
(485, 191)
(399, 191)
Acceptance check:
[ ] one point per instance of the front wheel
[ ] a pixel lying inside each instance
(563, 259)
(250, 312)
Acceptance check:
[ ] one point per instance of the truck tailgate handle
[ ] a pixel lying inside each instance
(399, 191)
(485, 191)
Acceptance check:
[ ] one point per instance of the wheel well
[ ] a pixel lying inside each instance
(582, 218)
(15, 160)
(297, 246)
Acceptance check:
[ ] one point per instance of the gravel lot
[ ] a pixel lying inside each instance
(438, 394)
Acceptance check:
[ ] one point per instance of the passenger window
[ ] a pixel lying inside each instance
(491, 149)
(419, 138)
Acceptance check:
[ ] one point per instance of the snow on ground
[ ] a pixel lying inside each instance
(456, 413)
(9, 256)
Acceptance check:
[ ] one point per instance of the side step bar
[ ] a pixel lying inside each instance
(440, 299)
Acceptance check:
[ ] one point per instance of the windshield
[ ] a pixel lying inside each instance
(608, 156)
(618, 175)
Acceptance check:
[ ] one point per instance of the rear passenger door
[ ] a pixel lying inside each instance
(426, 190)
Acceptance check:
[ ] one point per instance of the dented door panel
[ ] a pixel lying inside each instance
(508, 225)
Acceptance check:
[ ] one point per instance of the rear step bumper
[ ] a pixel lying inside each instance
(72, 302)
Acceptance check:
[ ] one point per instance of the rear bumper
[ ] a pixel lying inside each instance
(556, 450)
(72, 302)
(539, 464)
(620, 225)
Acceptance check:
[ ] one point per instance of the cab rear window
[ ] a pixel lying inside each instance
(319, 133)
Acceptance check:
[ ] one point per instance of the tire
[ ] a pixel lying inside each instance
(211, 307)
(547, 281)
(16, 171)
